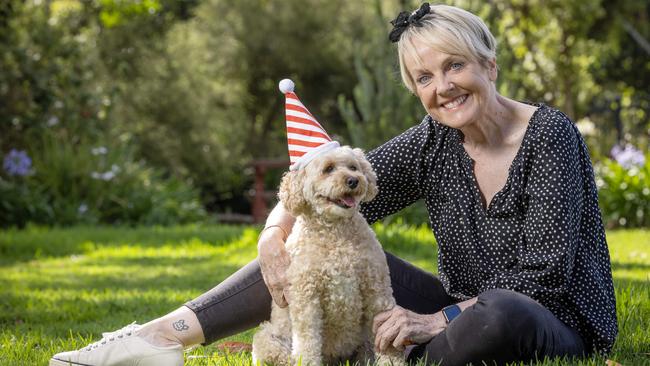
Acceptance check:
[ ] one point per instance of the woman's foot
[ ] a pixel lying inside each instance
(121, 347)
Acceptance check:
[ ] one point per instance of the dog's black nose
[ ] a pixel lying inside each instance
(352, 182)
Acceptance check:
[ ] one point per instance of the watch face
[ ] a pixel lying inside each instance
(451, 312)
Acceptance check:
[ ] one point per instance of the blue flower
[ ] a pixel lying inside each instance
(17, 162)
(628, 156)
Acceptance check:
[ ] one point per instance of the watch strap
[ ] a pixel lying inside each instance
(450, 312)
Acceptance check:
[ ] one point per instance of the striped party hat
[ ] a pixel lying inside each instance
(305, 136)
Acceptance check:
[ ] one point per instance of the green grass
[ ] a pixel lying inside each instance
(60, 288)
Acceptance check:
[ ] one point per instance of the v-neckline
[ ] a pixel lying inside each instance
(469, 162)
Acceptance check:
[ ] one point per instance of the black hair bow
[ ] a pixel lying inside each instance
(404, 19)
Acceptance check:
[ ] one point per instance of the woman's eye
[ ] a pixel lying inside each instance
(353, 168)
(423, 79)
(328, 169)
(456, 66)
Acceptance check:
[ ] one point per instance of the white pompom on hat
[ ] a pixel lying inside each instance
(305, 136)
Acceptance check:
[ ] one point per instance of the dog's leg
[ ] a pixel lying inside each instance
(379, 297)
(306, 322)
(392, 356)
(364, 355)
(272, 342)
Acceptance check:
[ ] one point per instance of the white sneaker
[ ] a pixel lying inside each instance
(121, 348)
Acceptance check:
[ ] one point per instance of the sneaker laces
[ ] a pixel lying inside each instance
(112, 336)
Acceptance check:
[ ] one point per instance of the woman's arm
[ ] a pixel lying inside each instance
(272, 255)
(397, 164)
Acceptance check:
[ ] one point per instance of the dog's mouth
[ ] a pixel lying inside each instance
(347, 201)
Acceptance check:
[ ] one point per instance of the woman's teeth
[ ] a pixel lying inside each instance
(456, 102)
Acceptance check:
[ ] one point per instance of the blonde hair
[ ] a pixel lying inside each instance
(447, 29)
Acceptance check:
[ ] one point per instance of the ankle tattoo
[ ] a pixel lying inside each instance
(180, 325)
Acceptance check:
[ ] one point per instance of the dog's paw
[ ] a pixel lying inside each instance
(394, 359)
(307, 361)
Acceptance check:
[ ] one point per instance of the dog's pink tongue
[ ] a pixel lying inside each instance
(349, 200)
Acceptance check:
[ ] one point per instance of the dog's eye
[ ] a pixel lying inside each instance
(328, 169)
(353, 168)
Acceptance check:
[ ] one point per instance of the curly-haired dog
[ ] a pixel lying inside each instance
(338, 273)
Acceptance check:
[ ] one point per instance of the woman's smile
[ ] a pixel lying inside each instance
(456, 103)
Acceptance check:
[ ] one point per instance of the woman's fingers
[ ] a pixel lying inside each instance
(380, 319)
(402, 340)
(385, 336)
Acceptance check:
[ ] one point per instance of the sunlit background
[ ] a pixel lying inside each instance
(157, 111)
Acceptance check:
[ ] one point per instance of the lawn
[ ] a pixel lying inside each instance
(60, 288)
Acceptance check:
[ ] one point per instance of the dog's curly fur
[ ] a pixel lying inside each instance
(338, 273)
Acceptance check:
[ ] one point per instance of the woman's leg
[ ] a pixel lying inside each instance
(415, 289)
(240, 302)
(503, 326)
(181, 326)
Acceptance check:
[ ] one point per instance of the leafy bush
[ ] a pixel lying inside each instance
(381, 107)
(624, 193)
(74, 183)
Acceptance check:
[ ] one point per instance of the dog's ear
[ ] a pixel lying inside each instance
(366, 168)
(291, 192)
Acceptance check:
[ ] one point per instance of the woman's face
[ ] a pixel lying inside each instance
(454, 90)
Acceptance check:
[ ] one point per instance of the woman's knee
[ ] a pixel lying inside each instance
(504, 313)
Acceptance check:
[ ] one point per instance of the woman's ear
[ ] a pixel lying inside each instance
(493, 69)
(366, 168)
(290, 193)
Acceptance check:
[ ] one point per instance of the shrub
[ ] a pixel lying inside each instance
(79, 182)
(624, 193)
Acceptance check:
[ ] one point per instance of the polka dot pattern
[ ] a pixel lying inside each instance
(541, 235)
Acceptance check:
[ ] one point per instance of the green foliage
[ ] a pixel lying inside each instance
(50, 75)
(624, 194)
(381, 107)
(83, 183)
(58, 107)
(20, 203)
(61, 288)
(191, 86)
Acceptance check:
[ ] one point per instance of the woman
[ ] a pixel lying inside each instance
(524, 269)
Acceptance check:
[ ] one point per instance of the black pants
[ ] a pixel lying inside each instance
(502, 326)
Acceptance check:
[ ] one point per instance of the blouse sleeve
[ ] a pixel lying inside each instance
(551, 229)
(397, 165)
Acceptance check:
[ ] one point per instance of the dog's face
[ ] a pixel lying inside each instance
(331, 186)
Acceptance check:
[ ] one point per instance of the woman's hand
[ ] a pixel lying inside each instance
(399, 327)
(274, 261)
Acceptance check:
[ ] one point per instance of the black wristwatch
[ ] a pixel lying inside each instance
(450, 312)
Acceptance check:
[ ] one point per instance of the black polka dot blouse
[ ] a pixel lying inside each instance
(541, 235)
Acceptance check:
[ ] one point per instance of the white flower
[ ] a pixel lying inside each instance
(108, 175)
(99, 150)
(586, 127)
(53, 121)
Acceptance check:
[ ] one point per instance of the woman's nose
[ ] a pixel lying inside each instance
(444, 86)
(352, 182)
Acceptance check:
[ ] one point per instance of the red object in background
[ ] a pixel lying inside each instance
(260, 194)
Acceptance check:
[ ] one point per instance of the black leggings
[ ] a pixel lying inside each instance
(503, 326)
